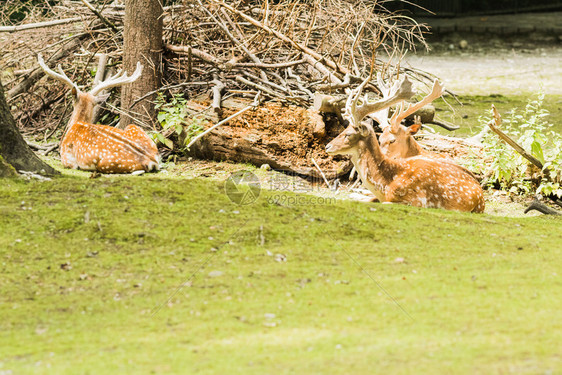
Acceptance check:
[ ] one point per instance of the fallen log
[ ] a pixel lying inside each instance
(281, 136)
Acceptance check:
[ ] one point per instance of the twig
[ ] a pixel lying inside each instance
(269, 83)
(445, 125)
(355, 183)
(496, 121)
(25, 85)
(130, 114)
(234, 40)
(100, 74)
(217, 94)
(38, 25)
(255, 103)
(352, 54)
(269, 66)
(335, 86)
(259, 87)
(321, 173)
(282, 37)
(36, 146)
(51, 149)
(322, 69)
(170, 87)
(100, 16)
(196, 53)
(299, 82)
(233, 25)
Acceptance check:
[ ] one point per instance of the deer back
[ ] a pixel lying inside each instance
(426, 182)
(108, 150)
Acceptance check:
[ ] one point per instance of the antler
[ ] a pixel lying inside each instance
(401, 90)
(401, 114)
(58, 76)
(119, 79)
(382, 115)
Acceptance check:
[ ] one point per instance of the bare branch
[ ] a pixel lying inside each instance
(494, 125)
(253, 105)
(100, 16)
(38, 25)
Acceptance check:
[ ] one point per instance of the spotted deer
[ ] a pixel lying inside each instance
(418, 181)
(397, 140)
(102, 148)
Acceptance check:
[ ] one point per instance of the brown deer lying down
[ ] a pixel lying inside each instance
(102, 148)
(418, 181)
(397, 140)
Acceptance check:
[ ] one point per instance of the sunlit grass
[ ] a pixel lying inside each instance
(165, 275)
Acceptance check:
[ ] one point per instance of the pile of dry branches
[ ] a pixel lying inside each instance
(287, 50)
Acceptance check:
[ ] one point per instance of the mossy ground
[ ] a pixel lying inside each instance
(159, 274)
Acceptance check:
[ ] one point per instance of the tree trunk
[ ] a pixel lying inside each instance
(13, 149)
(142, 42)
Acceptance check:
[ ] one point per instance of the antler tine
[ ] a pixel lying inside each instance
(381, 116)
(58, 76)
(119, 79)
(401, 90)
(398, 116)
(351, 103)
(383, 87)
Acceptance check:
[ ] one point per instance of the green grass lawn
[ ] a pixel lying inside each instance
(140, 275)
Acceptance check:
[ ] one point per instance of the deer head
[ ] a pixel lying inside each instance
(347, 142)
(396, 140)
(401, 143)
(86, 101)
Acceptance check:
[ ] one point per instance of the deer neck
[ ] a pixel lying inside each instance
(83, 111)
(413, 148)
(375, 169)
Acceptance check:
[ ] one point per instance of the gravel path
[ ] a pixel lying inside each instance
(490, 71)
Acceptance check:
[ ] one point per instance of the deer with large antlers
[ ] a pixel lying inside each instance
(418, 181)
(397, 140)
(102, 148)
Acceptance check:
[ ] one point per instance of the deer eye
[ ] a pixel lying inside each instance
(392, 141)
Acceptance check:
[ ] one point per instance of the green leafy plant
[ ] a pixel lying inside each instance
(174, 118)
(503, 167)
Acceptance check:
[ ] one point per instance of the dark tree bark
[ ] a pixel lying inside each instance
(13, 149)
(142, 42)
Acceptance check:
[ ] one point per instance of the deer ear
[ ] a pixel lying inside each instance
(413, 129)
